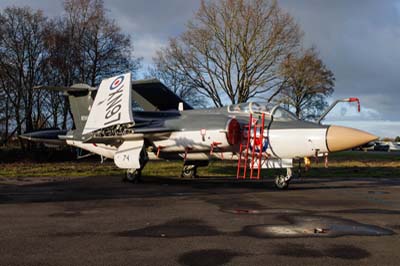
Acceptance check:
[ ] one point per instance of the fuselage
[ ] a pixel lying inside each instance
(107, 125)
(193, 133)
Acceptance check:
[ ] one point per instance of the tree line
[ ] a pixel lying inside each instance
(81, 46)
(231, 51)
(236, 50)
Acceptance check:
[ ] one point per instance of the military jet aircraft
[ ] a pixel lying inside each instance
(258, 135)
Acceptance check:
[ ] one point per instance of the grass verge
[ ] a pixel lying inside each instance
(345, 164)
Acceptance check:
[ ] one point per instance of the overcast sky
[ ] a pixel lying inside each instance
(359, 40)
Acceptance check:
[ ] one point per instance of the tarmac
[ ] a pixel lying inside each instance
(166, 221)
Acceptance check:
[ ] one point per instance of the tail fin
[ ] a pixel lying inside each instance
(80, 100)
(112, 105)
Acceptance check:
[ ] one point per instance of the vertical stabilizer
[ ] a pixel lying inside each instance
(80, 103)
(112, 105)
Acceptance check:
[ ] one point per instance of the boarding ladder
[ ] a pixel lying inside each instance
(251, 148)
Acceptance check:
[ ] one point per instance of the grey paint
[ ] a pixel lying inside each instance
(156, 125)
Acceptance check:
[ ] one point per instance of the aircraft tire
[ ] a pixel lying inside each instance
(189, 171)
(281, 182)
(133, 176)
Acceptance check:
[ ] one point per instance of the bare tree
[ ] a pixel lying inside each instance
(86, 46)
(231, 50)
(100, 48)
(308, 83)
(83, 46)
(21, 59)
(4, 117)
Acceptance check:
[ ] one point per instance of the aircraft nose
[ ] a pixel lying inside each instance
(343, 138)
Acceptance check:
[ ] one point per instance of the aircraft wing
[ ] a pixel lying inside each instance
(152, 95)
(112, 105)
(139, 134)
(49, 137)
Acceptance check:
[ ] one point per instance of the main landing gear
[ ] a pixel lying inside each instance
(189, 171)
(133, 176)
(282, 181)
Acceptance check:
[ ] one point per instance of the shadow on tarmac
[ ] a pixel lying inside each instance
(97, 188)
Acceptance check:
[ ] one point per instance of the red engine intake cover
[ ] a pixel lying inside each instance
(233, 134)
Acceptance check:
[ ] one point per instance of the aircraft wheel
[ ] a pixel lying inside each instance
(133, 176)
(189, 171)
(281, 182)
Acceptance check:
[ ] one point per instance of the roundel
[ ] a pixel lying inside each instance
(233, 134)
(117, 82)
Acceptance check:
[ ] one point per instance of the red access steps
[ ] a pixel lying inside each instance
(253, 133)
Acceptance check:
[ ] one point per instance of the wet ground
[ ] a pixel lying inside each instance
(102, 221)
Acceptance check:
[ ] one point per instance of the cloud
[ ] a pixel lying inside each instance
(158, 18)
(145, 45)
(358, 40)
(49, 7)
(360, 43)
(344, 112)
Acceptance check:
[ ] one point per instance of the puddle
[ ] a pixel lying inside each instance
(367, 211)
(378, 192)
(395, 227)
(73, 234)
(174, 229)
(66, 214)
(263, 211)
(181, 194)
(314, 226)
(71, 213)
(347, 252)
(207, 257)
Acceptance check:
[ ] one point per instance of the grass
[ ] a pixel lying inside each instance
(345, 164)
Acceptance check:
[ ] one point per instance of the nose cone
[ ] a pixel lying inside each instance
(343, 138)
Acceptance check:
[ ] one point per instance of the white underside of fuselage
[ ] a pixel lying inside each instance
(100, 149)
(192, 141)
(193, 145)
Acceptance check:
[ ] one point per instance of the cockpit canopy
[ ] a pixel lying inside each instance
(251, 108)
(278, 112)
(282, 114)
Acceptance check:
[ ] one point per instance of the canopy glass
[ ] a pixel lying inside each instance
(279, 113)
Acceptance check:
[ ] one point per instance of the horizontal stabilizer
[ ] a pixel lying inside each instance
(74, 88)
(152, 95)
(46, 136)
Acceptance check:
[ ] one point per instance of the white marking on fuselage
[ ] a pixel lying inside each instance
(178, 141)
(292, 143)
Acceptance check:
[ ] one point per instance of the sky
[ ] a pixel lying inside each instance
(358, 40)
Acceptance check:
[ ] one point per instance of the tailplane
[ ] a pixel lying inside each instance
(80, 99)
